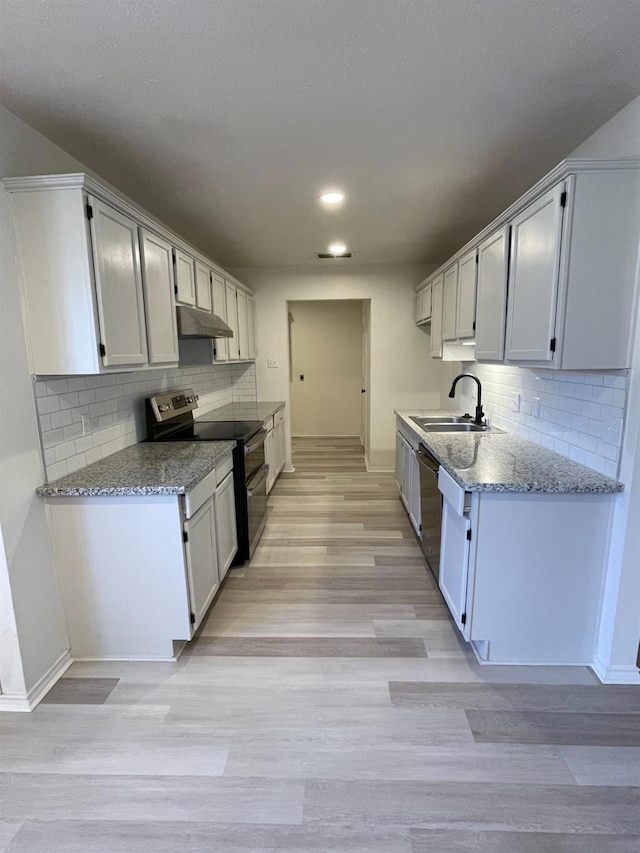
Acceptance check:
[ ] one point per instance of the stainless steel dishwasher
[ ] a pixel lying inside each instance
(430, 509)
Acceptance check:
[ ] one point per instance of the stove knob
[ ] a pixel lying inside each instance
(164, 407)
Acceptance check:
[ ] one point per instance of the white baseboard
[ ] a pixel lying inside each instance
(289, 469)
(16, 702)
(374, 469)
(615, 674)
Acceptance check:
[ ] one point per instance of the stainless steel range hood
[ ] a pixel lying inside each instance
(193, 323)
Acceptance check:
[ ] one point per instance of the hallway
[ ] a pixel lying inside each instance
(327, 704)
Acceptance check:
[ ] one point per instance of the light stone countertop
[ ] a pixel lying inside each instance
(502, 462)
(242, 411)
(148, 468)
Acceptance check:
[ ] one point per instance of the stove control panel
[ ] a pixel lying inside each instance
(173, 403)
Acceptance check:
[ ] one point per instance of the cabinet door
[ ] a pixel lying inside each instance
(466, 306)
(454, 564)
(202, 559)
(426, 303)
(449, 303)
(219, 294)
(160, 312)
(534, 271)
(399, 462)
(405, 489)
(414, 490)
(118, 280)
(279, 446)
(269, 458)
(251, 327)
(203, 287)
(436, 318)
(491, 311)
(243, 325)
(417, 307)
(185, 278)
(232, 320)
(226, 533)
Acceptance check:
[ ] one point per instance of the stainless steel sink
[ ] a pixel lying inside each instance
(456, 427)
(453, 419)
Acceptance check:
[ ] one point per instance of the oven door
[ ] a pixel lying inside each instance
(254, 454)
(257, 506)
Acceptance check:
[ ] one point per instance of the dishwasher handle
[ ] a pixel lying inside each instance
(426, 459)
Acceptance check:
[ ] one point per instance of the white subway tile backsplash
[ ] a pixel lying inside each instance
(112, 408)
(581, 414)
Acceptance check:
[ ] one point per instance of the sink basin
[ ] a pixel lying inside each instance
(455, 427)
(459, 427)
(453, 419)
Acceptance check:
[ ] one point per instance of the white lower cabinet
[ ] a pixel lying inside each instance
(522, 573)
(227, 537)
(202, 559)
(408, 478)
(274, 446)
(138, 573)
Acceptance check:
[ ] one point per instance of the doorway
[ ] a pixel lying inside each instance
(329, 368)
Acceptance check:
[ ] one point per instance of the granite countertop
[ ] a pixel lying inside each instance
(502, 462)
(242, 411)
(160, 468)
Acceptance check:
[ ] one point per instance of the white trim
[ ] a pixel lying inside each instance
(93, 186)
(615, 674)
(374, 469)
(289, 469)
(14, 702)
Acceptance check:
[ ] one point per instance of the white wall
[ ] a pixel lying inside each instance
(403, 375)
(33, 634)
(326, 348)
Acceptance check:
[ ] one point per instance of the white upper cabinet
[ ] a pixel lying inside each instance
(436, 317)
(219, 294)
(251, 326)
(185, 278)
(243, 326)
(449, 303)
(491, 309)
(533, 278)
(100, 278)
(203, 287)
(158, 283)
(466, 303)
(563, 284)
(232, 320)
(116, 259)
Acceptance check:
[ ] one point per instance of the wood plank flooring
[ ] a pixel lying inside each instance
(327, 704)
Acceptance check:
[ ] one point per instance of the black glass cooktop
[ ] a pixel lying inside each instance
(215, 431)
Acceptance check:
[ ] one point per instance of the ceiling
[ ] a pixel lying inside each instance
(226, 118)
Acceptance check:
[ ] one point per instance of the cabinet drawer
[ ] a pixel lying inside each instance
(223, 468)
(278, 417)
(451, 491)
(201, 492)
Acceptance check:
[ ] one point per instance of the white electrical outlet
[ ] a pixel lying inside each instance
(272, 362)
(535, 407)
(515, 401)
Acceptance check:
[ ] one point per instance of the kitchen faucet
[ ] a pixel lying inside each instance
(452, 393)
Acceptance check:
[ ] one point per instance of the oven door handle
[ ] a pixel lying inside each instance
(258, 439)
(257, 480)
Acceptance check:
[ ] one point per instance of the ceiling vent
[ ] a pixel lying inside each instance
(323, 256)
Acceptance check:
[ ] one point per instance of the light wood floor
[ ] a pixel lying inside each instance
(328, 704)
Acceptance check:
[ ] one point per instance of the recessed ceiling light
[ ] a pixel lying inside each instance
(337, 248)
(332, 197)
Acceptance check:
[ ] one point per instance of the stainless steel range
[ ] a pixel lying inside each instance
(170, 418)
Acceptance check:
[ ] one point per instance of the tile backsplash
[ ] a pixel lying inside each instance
(85, 418)
(579, 414)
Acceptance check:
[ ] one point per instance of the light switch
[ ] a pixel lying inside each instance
(535, 407)
(515, 401)
(272, 362)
